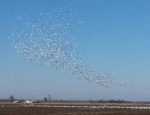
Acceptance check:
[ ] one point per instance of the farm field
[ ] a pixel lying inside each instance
(69, 111)
(15, 109)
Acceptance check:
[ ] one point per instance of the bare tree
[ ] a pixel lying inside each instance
(45, 99)
(11, 98)
(49, 98)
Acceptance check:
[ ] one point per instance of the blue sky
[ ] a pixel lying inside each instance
(114, 39)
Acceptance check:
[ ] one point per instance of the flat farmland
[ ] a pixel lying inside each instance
(72, 109)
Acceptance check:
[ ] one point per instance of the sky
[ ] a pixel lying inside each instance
(113, 39)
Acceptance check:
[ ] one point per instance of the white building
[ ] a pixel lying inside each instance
(28, 102)
(16, 101)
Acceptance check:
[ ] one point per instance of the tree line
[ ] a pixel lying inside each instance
(48, 98)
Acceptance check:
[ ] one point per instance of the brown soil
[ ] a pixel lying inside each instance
(68, 111)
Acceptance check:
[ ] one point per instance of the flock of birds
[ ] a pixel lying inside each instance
(133, 107)
(45, 41)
